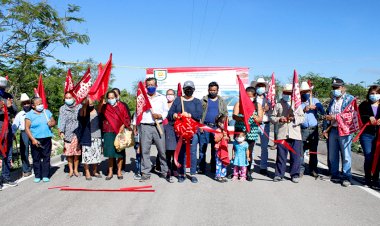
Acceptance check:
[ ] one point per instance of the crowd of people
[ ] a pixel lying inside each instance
(89, 131)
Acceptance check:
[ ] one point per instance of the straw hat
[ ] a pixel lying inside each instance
(288, 88)
(259, 81)
(304, 86)
(24, 97)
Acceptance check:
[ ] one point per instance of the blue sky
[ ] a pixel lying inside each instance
(330, 37)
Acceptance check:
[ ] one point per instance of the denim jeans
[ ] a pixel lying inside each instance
(24, 150)
(340, 144)
(368, 143)
(264, 140)
(6, 164)
(193, 156)
(204, 139)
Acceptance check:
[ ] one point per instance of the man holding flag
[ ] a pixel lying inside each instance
(289, 115)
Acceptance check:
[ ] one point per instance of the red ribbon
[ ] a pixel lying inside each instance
(377, 153)
(4, 133)
(361, 131)
(125, 189)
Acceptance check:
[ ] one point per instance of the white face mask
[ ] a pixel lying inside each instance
(240, 139)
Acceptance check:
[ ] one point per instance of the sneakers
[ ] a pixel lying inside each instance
(219, 179)
(144, 178)
(346, 183)
(274, 147)
(181, 179)
(27, 174)
(335, 179)
(224, 180)
(10, 183)
(277, 179)
(314, 174)
(137, 176)
(37, 180)
(169, 179)
(295, 179)
(194, 179)
(45, 179)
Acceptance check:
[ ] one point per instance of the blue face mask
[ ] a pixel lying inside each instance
(374, 97)
(111, 101)
(40, 107)
(2, 91)
(260, 90)
(286, 97)
(69, 102)
(305, 96)
(336, 93)
(151, 89)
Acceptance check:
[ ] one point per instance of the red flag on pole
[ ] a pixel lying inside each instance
(296, 96)
(246, 106)
(81, 89)
(69, 85)
(41, 91)
(349, 120)
(143, 103)
(179, 90)
(100, 86)
(7, 78)
(272, 91)
(4, 133)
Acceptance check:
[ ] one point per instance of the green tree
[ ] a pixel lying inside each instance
(322, 85)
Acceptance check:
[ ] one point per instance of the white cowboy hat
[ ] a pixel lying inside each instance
(304, 86)
(3, 82)
(288, 88)
(259, 81)
(24, 97)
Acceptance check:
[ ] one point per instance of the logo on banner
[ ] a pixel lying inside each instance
(160, 74)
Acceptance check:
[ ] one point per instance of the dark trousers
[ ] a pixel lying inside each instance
(193, 156)
(6, 164)
(310, 140)
(41, 157)
(24, 151)
(204, 139)
(282, 154)
(170, 161)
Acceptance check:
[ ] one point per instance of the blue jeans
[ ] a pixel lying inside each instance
(193, 156)
(368, 143)
(204, 139)
(340, 144)
(6, 165)
(24, 150)
(264, 140)
(138, 163)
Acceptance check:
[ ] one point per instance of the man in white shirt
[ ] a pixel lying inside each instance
(151, 128)
(19, 124)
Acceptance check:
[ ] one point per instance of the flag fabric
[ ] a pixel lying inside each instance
(36, 93)
(223, 147)
(143, 103)
(81, 89)
(349, 119)
(246, 106)
(69, 85)
(296, 96)
(100, 86)
(7, 78)
(4, 133)
(179, 90)
(310, 84)
(272, 91)
(41, 92)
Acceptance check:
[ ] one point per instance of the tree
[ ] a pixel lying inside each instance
(30, 31)
(377, 82)
(322, 85)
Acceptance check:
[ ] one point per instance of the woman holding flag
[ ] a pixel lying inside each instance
(38, 124)
(370, 115)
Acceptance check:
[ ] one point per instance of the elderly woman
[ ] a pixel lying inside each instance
(38, 124)
(114, 120)
(68, 126)
(90, 138)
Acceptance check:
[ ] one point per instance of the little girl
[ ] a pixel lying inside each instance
(221, 169)
(240, 157)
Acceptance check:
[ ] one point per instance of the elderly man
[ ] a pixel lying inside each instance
(213, 105)
(151, 132)
(6, 101)
(338, 144)
(289, 130)
(309, 128)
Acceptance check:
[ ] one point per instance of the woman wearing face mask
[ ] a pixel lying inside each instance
(38, 124)
(253, 135)
(68, 126)
(90, 138)
(370, 112)
(114, 119)
(19, 124)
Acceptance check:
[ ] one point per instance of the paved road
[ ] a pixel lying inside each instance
(311, 202)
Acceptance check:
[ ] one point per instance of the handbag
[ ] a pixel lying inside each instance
(123, 140)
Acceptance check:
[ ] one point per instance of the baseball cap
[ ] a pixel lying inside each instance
(189, 84)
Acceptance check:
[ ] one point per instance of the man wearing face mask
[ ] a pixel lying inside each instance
(213, 105)
(149, 133)
(6, 100)
(338, 144)
(192, 109)
(289, 130)
(261, 87)
(19, 124)
(309, 128)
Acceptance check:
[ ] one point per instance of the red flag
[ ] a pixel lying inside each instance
(4, 133)
(41, 91)
(296, 96)
(81, 89)
(349, 119)
(7, 78)
(179, 90)
(142, 104)
(272, 91)
(310, 84)
(246, 106)
(100, 86)
(69, 85)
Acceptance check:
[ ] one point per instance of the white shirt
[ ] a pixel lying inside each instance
(336, 109)
(19, 122)
(159, 106)
(260, 101)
